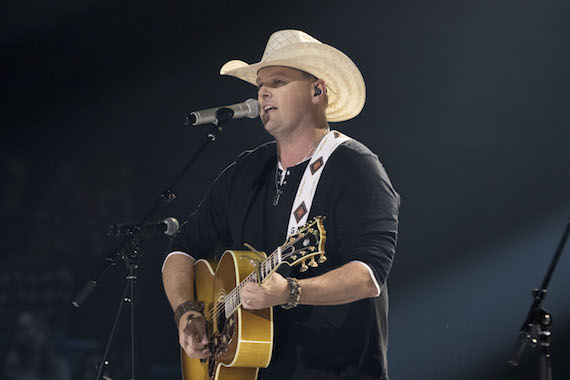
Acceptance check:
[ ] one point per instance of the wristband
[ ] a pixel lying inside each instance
(187, 306)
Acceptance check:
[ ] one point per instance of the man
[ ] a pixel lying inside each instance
(333, 323)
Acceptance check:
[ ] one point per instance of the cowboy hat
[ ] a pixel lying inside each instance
(297, 49)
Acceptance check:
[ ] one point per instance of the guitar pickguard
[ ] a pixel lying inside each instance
(221, 342)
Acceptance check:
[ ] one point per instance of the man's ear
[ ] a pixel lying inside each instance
(319, 91)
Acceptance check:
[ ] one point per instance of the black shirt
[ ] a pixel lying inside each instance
(361, 209)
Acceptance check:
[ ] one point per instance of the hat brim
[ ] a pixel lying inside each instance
(346, 89)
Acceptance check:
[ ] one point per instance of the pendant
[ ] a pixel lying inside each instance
(276, 197)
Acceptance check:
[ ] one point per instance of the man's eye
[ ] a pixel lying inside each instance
(277, 82)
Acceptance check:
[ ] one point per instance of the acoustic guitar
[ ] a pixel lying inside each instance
(241, 341)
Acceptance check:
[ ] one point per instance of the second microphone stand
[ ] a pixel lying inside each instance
(129, 250)
(536, 326)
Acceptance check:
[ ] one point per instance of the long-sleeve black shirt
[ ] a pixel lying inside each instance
(361, 209)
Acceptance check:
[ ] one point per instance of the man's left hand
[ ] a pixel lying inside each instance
(274, 291)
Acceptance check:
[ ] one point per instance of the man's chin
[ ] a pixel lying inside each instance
(269, 126)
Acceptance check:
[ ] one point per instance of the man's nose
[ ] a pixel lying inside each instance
(263, 92)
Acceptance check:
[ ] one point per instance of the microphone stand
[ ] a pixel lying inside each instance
(536, 326)
(129, 249)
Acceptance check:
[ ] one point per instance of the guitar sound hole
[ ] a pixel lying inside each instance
(221, 322)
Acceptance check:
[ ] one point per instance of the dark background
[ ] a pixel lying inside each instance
(468, 108)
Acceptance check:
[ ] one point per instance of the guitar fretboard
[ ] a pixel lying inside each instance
(267, 267)
(311, 237)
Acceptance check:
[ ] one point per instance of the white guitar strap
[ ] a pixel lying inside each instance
(310, 180)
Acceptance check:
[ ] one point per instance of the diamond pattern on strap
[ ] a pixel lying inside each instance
(300, 212)
(315, 166)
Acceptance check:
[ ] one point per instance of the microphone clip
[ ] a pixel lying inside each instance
(168, 226)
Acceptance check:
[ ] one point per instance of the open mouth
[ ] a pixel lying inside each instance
(267, 112)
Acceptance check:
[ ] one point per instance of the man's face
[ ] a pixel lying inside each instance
(285, 96)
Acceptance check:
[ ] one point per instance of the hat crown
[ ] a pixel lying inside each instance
(298, 50)
(284, 38)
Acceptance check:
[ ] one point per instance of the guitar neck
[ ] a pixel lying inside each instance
(287, 253)
(266, 268)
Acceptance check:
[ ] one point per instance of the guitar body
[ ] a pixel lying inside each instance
(241, 343)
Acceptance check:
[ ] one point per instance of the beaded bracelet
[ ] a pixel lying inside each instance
(295, 294)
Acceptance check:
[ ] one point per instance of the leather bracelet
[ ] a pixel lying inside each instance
(295, 294)
(185, 307)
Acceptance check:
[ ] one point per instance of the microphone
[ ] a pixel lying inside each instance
(169, 226)
(249, 108)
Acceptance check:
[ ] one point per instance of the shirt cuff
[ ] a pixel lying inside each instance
(177, 253)
(371, 276)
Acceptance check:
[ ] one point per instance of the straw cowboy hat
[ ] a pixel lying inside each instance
(297, 49)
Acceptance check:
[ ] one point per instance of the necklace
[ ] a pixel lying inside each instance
(310, 153)
(279, 181)
(278, 190)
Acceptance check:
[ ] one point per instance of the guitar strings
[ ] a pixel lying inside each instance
(232, 295)
(216, 311)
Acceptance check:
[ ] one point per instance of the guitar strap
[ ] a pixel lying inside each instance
(308, 186)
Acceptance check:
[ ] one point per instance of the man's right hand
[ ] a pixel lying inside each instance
(192, 335)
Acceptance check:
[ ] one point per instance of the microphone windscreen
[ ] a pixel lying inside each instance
(172, 226)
